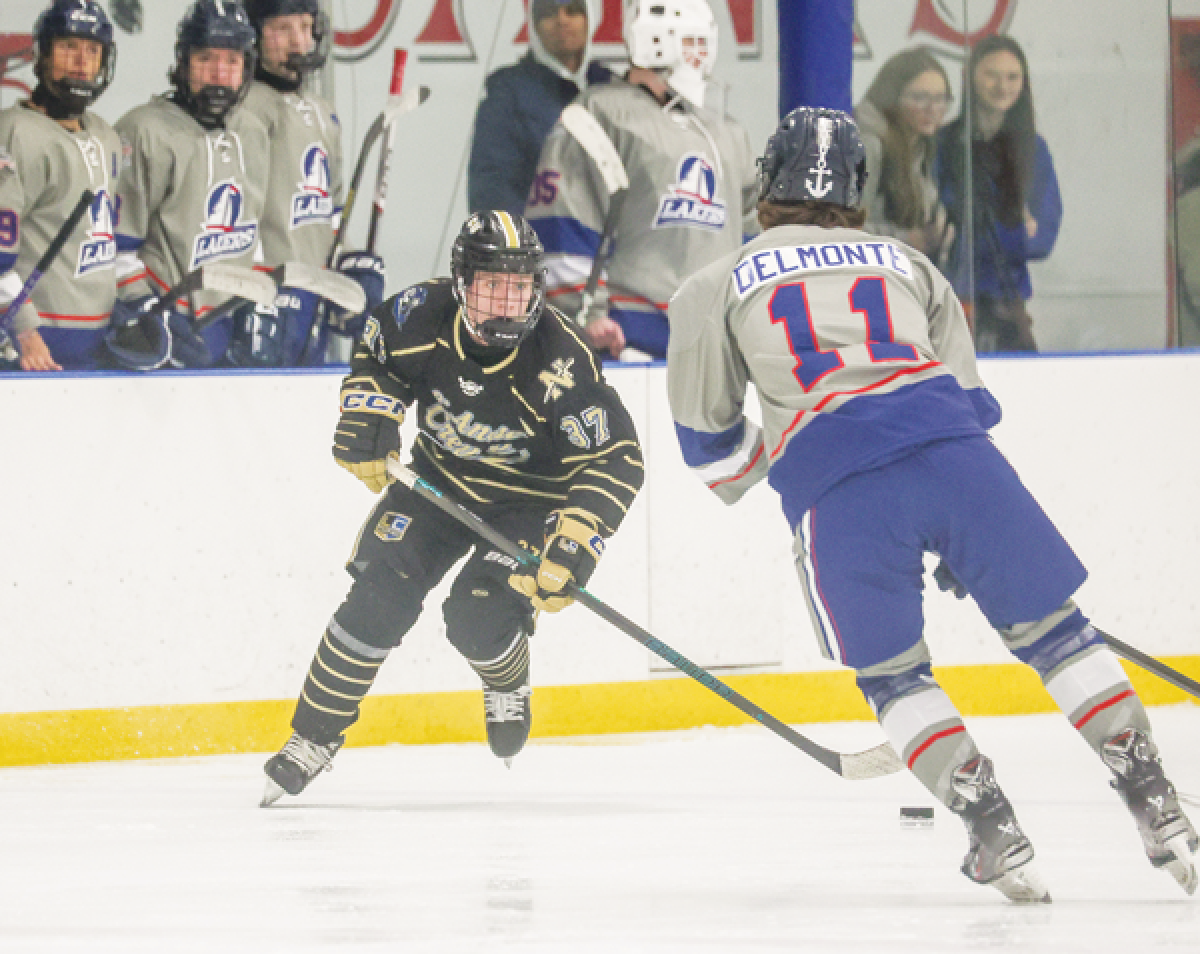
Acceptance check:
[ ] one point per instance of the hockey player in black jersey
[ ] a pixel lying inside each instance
(515, 422)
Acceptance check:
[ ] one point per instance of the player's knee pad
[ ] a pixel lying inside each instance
(484, 619)
(1052, 643)
(380, 608)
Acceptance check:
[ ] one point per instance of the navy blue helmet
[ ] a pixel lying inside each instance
(212, 24)
(299, 63)
(814, 155)
(86, 20)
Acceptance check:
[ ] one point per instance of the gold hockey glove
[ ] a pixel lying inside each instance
(569, 555)
(368, 432)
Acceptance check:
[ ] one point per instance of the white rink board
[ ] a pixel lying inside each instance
(180, 538)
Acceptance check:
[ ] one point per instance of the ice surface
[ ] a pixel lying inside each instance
(714, 840)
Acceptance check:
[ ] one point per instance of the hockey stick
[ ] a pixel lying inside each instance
(236, 281)
(595, 142)
(330, 286)
(873, 763)
(44, 263)
(1152, 665)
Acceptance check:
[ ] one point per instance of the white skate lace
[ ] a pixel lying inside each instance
(310, 755)
(505, 706)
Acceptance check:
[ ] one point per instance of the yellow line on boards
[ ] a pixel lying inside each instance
(92, 735)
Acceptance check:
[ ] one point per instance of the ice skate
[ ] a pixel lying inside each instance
(999, 853)
(508, 718)
(1169, 837)
(295, 765)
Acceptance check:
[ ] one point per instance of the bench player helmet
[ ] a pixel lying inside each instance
(678, 37)
(299, 63)
(84, 19)
(814, 155)
(212, 25)
(504, 243)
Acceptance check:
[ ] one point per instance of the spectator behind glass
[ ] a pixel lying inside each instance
(524, 100)
(1017, 207)
(898, 120)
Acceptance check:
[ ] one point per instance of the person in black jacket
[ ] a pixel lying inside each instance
(524, 101)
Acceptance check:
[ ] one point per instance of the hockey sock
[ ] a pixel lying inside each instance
(923, 726)
(509, 670)
(1087, 682)
(341, 674)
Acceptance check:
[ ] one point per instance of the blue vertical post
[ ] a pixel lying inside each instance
(816, 53)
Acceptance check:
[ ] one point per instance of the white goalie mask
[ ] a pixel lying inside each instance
(676, 36)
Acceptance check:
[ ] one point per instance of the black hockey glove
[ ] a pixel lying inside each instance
(570, 554)
(948, 582)
(368, 432)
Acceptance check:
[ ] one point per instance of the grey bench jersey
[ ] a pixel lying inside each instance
(188, 196)
(304, 179)
(44, 169)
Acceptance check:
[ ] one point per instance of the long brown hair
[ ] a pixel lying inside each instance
(828, 215)
(903, 202)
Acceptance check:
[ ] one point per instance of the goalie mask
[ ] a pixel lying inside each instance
(675, 37)
(69, 96)
(814, 155)
(212, 25)
(499, 277)
(299, 65)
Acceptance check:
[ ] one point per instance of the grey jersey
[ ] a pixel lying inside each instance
(691, 198)
(188, 196)
(857, 347)
(304, 180)
(44, 169)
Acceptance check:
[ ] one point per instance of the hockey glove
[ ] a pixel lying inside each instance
(368, 432)
(188, 349)
(369, 271)
(137, 337)
(948, 582)
(257, 340)
(569, 556)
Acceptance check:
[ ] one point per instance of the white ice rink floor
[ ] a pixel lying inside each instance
(714, 840)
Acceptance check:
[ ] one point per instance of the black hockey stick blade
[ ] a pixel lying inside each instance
(873, 763)
(1152, 665)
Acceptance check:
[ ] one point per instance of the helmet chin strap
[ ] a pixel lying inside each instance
(689, 83)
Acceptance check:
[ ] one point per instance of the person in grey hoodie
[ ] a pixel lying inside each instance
(898, 120)
(524, 100)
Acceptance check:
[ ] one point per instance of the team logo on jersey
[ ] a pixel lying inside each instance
(225, 234)
(313, 203)
(99, 249)
(558, 378)
(692, 201)
(469, 388)
(405, 302)
(391, 526)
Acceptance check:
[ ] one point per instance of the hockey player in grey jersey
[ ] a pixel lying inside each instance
(691, 171)
(874, 434)
(52, 148)
(191, 191)
(304, 186)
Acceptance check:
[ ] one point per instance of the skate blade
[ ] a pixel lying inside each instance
(1183, 863)
(508, 762)
(271, 794)
(1023, 885)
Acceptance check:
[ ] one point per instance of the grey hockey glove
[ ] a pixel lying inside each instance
(570, 554)
(948, 582)
(368, 432)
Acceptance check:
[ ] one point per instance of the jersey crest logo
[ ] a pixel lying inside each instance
(406, 301)
(470, 388)
(99, 250)
(391, 526)
(226, 234)
(313, 203)
(558, 378)
(692, 201)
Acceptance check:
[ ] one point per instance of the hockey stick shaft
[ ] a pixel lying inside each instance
(399, 61)
(43, 264)
(880, 764)
(1152, 665)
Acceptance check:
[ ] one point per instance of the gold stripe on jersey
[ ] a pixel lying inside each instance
(587, 349)
(619, 483)
(604, 453)
(399, 352)
(432, 458)
(623, 507)
(541, 420)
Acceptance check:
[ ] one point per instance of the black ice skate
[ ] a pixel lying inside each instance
(1169, 837)
(295, 765)
(999, 853)
(508, 718)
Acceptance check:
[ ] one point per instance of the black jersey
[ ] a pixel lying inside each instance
(540, 425)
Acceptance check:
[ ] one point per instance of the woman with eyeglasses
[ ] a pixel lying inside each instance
(898, 120)
(1016, 209)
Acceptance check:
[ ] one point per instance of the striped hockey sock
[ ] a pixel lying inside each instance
(928, 732)
(341, 674)
(509, 670)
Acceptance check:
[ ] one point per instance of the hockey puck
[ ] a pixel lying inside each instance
(920, 816)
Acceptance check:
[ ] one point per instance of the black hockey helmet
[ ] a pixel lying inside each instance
(86, 20)
(208, 25)
(299, 63)
(498, 242)
(815, 155)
